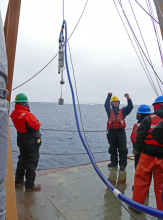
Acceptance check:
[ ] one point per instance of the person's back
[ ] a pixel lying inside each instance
(150, 162)
(142, 112)
(24, 121)
(28, 141)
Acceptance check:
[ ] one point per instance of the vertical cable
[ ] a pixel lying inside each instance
(138, 42)
(136, 51)
(63, 10)
(145, 47)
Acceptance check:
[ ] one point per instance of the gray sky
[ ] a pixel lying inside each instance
(103, 56)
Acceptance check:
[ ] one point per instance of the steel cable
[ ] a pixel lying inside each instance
(148, 13)
(57, 53)
(144, 43)
(49, 129)
(136, 51)
(155, 29)
(138, 42)
(65, 154)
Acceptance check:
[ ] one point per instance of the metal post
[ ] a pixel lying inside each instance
(10, 31)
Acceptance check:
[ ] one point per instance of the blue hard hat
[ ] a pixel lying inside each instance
(144, 109)
(158, 100)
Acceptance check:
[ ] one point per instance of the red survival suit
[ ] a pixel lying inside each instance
(28, 141)
(150, 162)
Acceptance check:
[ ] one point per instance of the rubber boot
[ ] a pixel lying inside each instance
(36, 187)
(19, 184)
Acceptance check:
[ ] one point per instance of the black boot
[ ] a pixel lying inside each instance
(110, 165)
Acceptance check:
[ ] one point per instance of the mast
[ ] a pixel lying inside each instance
(160, 3)
(11, 31)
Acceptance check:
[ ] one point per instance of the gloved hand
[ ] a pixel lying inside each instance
(137, 152)
(127, 96)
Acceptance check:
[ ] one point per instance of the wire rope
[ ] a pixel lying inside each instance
(78, 101)
(65, 154)
(146, 66)
(69, 154)
(160, 16)
(136, 51)
(148, 13)
(57, 53)
(138, 41)
(50, 129)
(63, 9)
(144, 43)
(155, 29)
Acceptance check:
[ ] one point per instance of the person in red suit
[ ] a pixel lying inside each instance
(28, 141)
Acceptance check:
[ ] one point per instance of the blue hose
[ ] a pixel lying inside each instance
(151, 211)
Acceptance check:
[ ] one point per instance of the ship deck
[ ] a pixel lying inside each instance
(77, 193)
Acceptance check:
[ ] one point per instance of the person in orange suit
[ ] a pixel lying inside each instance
(150, 162)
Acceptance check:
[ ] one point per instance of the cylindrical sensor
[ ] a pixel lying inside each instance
(59, 58)
(60, 101)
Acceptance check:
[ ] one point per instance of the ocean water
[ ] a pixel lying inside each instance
(57, 143)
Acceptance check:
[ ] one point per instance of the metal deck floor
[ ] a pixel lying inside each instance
(77, 193)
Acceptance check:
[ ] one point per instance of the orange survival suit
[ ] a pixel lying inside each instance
(150, 162)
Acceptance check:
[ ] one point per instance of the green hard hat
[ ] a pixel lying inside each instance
(21, 97)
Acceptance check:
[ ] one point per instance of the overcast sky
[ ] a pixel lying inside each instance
(103, 57)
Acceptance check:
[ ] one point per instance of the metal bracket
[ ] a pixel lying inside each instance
(3, 93)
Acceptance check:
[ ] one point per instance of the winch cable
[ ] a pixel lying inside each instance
(148, 13)
(149, 210)
(63, 9)
(57, 53)
(134, 35)
(158, 12)
(89, 152)
(153, 86)
(143, 41)
(138, 41)
(78, 99)
(155, 29)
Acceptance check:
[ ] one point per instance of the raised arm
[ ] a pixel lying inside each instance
(107, 104)
(126, 110)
